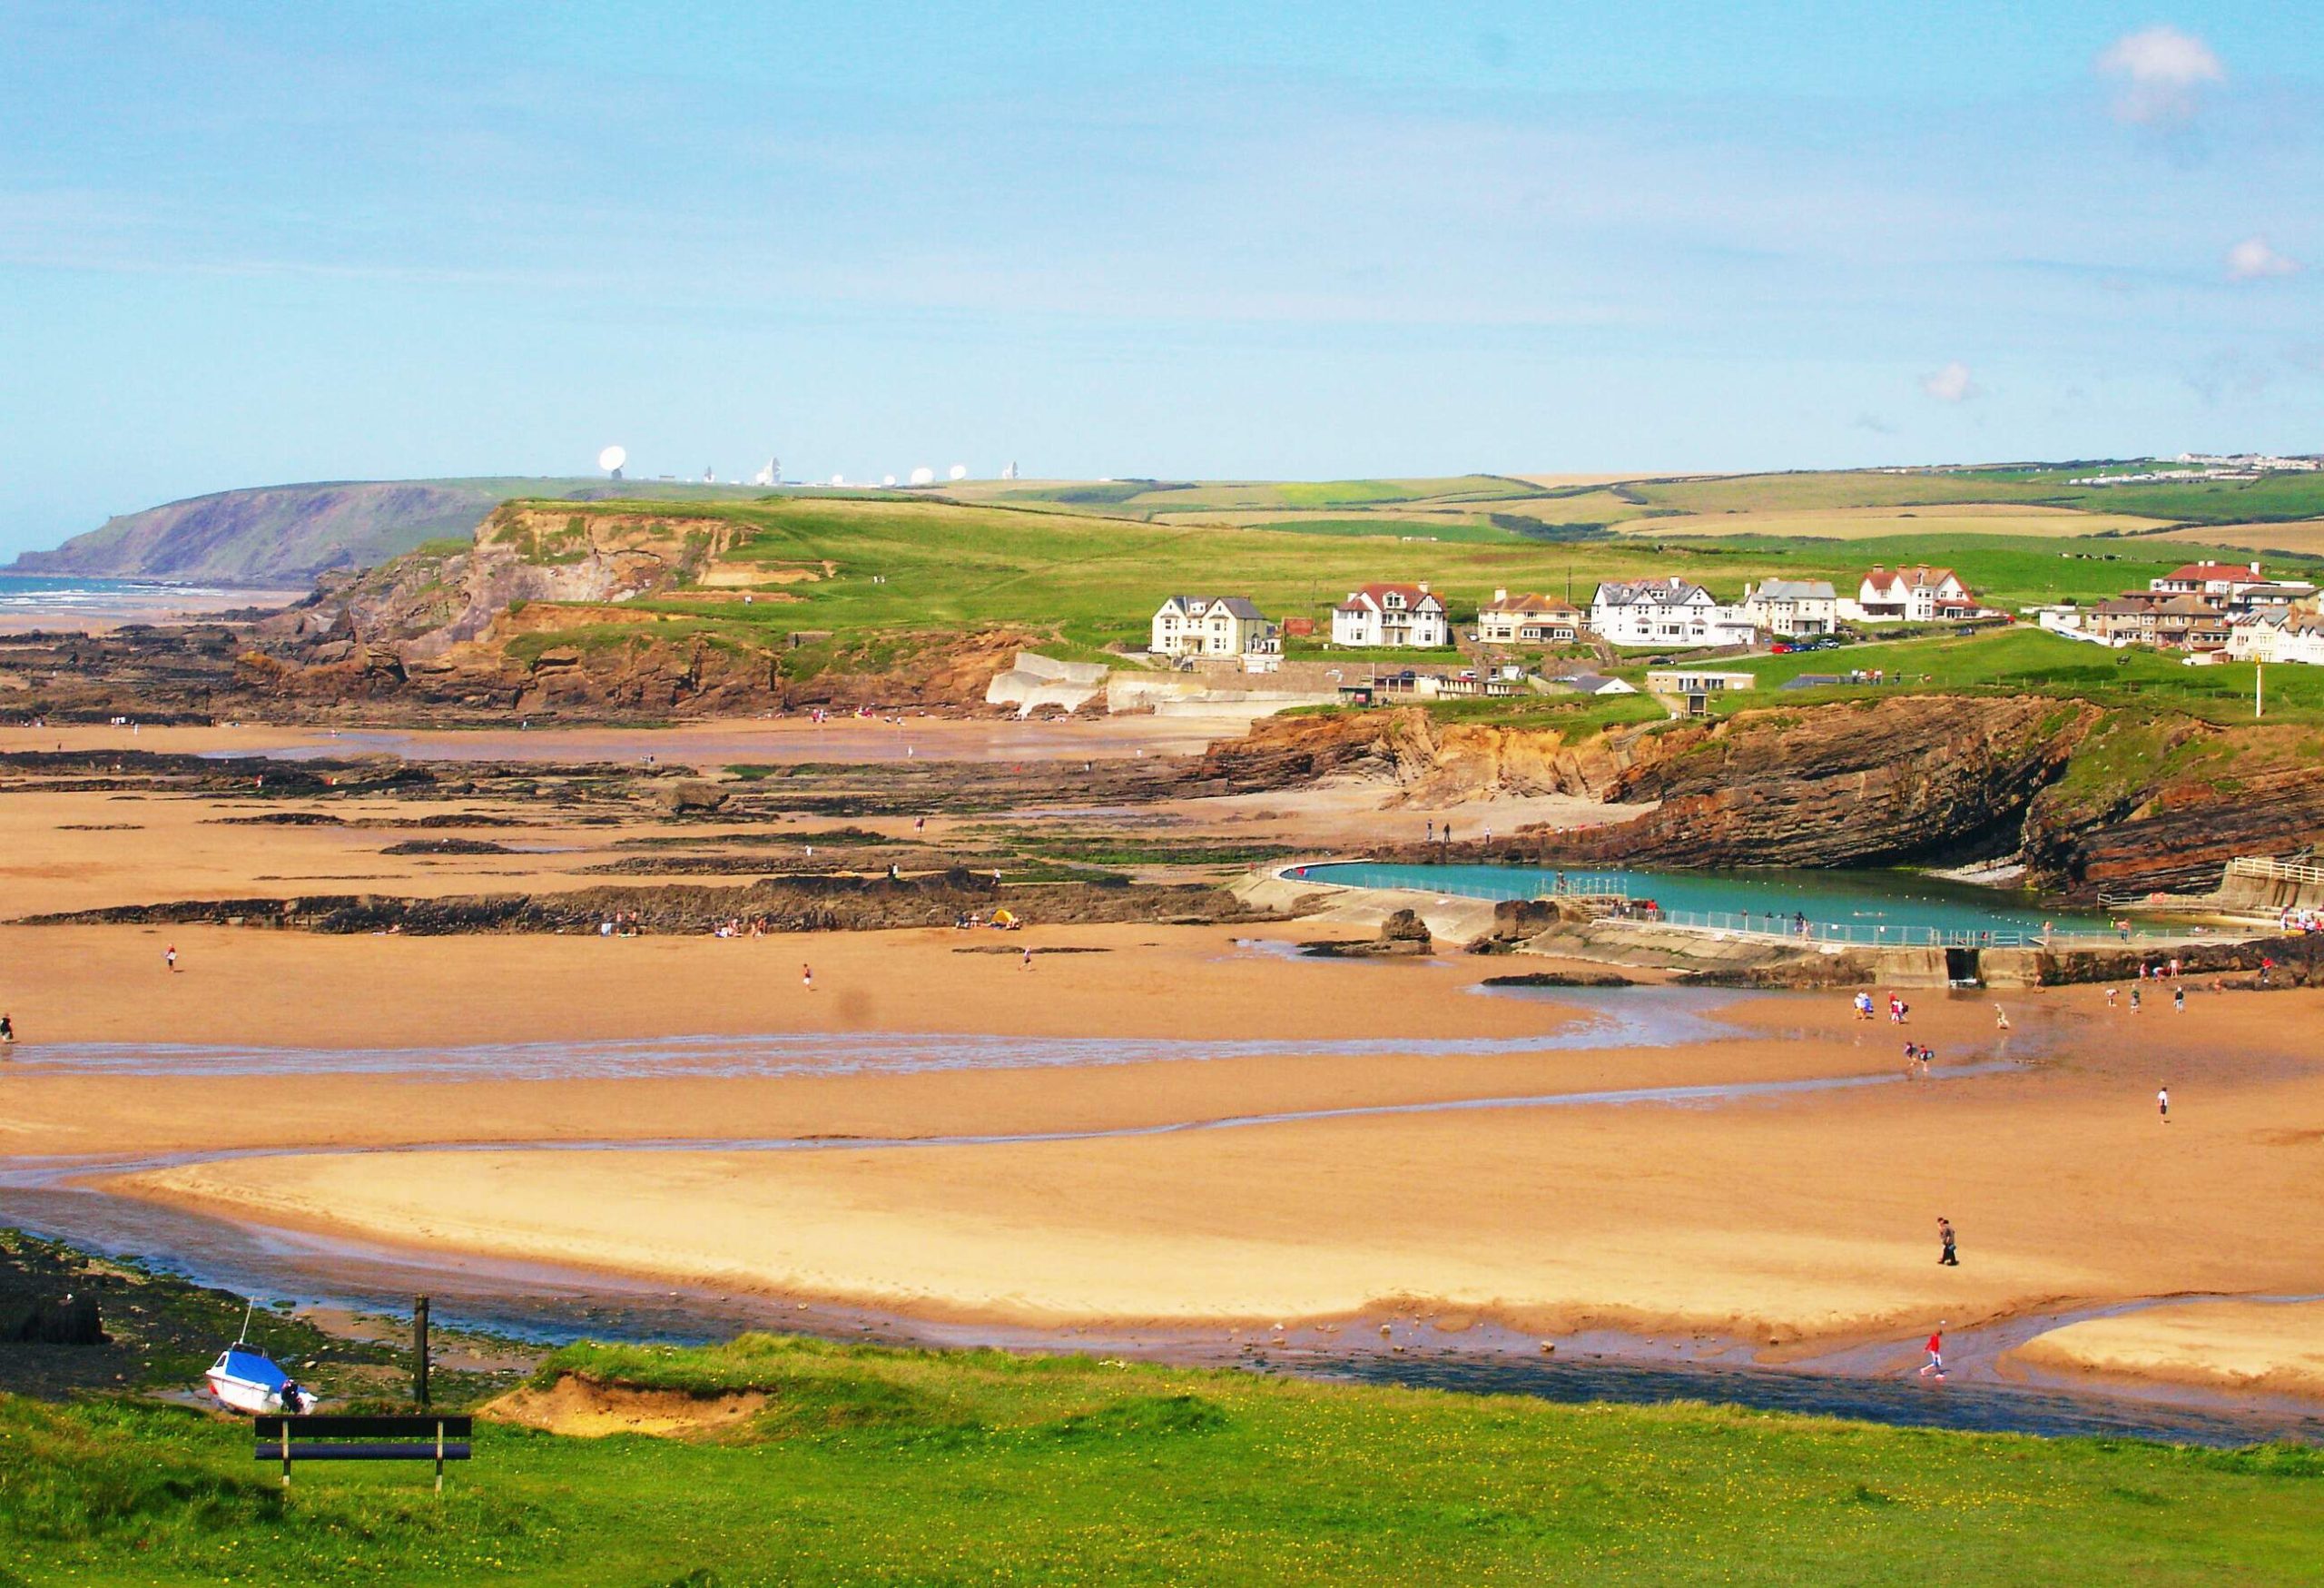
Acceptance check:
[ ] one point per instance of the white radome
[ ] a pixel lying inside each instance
(839, 479)
(923, 476)
(958, 471)
(613, 458)
(887, 480)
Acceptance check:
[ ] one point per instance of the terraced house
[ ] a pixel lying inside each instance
(1920, 594)
(1213, 626)
(1393, 615)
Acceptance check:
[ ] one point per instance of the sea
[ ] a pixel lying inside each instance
(74, 602)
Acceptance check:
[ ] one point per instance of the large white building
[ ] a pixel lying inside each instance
(1213, 626)
(1788, 607)
(1665, 612)
(1912, 595)
(1391, 614)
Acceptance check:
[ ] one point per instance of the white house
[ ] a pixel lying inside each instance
(1213, 626)
(1667, 613)
(1529, 620)
(2293, 635)
(1912, 595)
(1595, 684)
(1391, 614)
(1786, 608)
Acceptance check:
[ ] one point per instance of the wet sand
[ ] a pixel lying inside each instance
(709, 744)
(1796, 1217)
(2238, 1347)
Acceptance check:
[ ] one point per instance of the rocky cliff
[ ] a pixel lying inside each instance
(281, 537)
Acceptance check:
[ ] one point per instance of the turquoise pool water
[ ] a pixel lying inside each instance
(1866, 905)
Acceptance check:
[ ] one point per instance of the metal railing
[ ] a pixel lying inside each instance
(1771, 927)
(2274, 871)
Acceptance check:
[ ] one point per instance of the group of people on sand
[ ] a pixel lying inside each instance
(620, 923)
(2293, 920)
(735, 926)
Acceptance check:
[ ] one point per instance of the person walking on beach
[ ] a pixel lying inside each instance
(169, 956)
(2001, 1018)
(1949, 1258)
(1935, 1349)
(807, 976)
(1027, 951)
(2135, 1001)
(2162, 1103)
(2110, 998)
(7, 1031)
(2178, 999)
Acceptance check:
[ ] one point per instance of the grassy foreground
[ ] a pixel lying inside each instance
(872, 1466)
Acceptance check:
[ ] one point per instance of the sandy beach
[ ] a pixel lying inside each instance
(1226, 1133)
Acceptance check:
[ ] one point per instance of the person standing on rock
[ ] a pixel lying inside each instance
(1950, 1258)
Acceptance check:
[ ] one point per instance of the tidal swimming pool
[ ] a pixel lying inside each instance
(1859, 905)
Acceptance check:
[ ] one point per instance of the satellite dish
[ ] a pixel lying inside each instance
(923, 476)
(612, 458)
(958, 471)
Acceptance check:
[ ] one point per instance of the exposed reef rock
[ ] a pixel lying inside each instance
(804, 903)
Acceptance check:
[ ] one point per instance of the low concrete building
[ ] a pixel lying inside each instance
(1692, 688)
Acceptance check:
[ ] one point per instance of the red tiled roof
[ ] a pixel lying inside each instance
(2206, 571)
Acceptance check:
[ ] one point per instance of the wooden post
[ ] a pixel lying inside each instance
(419, 1350)
(439, 1455)
(286, 1450)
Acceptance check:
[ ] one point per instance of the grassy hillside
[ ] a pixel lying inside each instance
(890, 566)
(882, 1466)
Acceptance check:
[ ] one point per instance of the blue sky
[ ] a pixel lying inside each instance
(242, 243)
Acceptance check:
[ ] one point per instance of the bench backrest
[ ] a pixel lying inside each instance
(395, 1428)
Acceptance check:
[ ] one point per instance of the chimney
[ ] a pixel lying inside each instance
(1497, 595)
(2255, 566)
(1423, 587)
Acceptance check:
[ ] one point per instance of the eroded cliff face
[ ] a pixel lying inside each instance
(1428, 762)
(1904, 778)
(2164, 804)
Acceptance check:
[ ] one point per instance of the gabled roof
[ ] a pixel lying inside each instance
(1672, 591)
(1242, 607)
(1516, 605)
(2185, 606)
(1900, 580)
(2206, 572)
(1374, 597)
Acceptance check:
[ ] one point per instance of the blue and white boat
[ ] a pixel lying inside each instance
(249, 1381)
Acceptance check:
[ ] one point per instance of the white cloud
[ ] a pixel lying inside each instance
(1950, 384)
(2252, 259)
(2162, 72)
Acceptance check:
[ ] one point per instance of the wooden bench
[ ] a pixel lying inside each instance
(422, 1437)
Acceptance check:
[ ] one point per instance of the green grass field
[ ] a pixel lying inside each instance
(870, 1465)
(2023, 659)
(922, 565)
